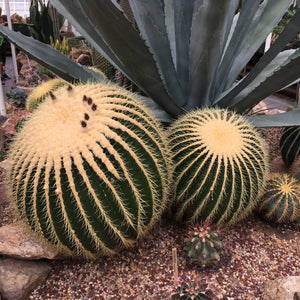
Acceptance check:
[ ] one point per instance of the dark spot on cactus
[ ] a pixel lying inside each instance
(84, 98)
(86, 117)
(52, 96)
(89, 101)
(69, 88)
(94, 107)
(83, 124)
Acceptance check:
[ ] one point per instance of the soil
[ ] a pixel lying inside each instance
(253, 252)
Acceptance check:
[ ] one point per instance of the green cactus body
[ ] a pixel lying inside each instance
(295, 169)
(290, 144)
(89, 170)
(202, 245)
(220, 166)
(40, 93)
(281, 201)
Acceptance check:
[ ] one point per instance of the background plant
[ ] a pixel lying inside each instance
(17, 96)
(191, 60)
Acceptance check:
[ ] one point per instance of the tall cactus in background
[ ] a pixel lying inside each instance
(220, 166)
(281, 200)
(89, 170)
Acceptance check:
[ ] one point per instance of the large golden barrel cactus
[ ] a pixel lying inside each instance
(89, 170)
(220, 166)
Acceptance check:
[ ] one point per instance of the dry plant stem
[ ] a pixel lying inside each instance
(175, 266)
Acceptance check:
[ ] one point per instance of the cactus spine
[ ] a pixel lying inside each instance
(281, 200)
(220, 165)
(290, 144)
(89, 170)
(40, 93)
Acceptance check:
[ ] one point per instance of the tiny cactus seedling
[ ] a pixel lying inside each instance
(295, 169)
(193, 288)
(290, 144)
(203, 245)
(220, 166)
(281, 201)
(89, 170)
(41, 92)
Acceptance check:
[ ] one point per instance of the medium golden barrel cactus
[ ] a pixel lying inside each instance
(220, 166)
(41, 92)
(89, 170)
(290, 144)
(281, 200)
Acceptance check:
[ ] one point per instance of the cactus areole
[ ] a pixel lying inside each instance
(220, 166)
(89, 170)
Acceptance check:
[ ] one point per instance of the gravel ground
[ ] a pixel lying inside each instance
(253, 252)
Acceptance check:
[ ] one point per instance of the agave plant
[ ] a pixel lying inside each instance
(185, 54)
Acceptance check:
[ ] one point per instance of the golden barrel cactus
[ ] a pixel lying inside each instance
(89, 170)
(41, 92)
(281, 200)
(220, 166)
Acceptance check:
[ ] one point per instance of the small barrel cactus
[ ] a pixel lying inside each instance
(89, 170)
(281, 201)
(203, 245)
(193, 288)
(290, 144)
(295, 169)
(220, 166)
(41, 92)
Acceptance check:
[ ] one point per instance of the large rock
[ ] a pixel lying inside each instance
(19, 278)
(17, 242)
(286, 288)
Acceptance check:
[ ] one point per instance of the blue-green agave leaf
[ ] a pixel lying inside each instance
(284, 69)
(52, 59)
(178, 19)
(126, 42)
(291, 118)
(284, 38)
(149, 16)
(253, 26)
(209, 33)
(74, 14)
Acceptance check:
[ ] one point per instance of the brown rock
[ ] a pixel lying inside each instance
(19, 278)
(16, 241)
(84, 59)
(75, 53)
(277, 165)
(282, 288)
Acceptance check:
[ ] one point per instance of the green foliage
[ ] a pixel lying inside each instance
(88, 172)
(220, 166)
(203, 245)
(17, 96)
(62, 47)
(285, 19)
(181, 58)
(40, 22)
(280, 202)
(290, 144)
(193, 289)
